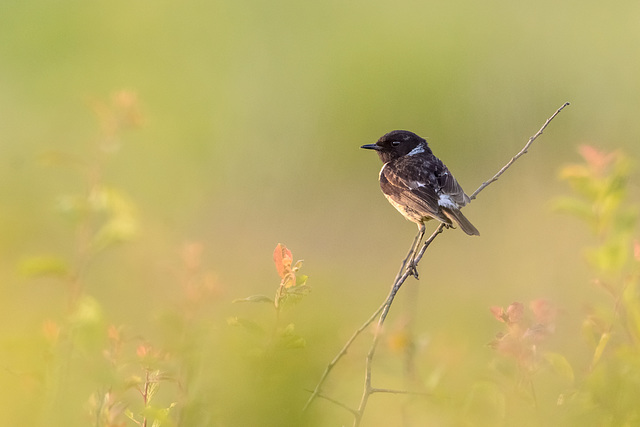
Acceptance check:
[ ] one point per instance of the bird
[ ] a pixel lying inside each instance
(418, 184)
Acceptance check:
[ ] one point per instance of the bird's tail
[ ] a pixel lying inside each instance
(456, 216)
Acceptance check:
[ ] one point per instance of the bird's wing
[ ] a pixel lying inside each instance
(408, 185)
(449, 186)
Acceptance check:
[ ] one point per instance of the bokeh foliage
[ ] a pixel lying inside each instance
(154, 153)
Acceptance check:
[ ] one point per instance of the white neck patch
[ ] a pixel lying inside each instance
(383, 166)
(419, 149)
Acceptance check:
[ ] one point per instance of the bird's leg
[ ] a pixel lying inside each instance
(411, 265)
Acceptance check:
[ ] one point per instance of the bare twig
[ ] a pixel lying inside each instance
(342, 405)
(407, 269)
(345, 348)
(342, 352)
(392, 391)
(517, 156)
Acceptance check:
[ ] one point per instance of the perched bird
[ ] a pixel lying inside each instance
(418, 184)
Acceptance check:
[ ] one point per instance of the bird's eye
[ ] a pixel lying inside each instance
(395, 143)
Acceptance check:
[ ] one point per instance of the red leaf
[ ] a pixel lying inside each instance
(498, 313)
(515, 312)
(596, 159)
(283, 259)
(543, 310)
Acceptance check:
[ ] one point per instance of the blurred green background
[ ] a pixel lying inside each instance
(252, 117)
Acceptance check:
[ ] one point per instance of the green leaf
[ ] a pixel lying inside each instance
(626, 221)
(288, 330)
(560, 365)
(121, 223)
(152, 385)
(117, 230)
(47, 265)
(159, 415)
(162, 414)
(602, 344)
(293, 295)
(248, 325)
(575, 207)
(87, 321)
(300, 290)
(296, 342)
(254, 298)
(290, 339)
(301, 280)
(573, 172)
(611, 256)
(88, 311)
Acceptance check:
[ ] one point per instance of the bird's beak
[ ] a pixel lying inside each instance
(371, 147)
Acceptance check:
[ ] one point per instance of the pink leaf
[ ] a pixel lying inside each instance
(283, 259)
(498, 313)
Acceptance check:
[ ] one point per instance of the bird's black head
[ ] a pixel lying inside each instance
(398, 143)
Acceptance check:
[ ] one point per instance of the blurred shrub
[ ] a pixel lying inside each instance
(606, 395)
(604, 392)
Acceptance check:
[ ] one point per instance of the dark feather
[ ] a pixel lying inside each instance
(462, 221)
(417, 183)
(413, 190)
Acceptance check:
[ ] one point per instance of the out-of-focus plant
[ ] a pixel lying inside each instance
(101, 216)
(147, 386)
(524, 334)
(604, 393)
(133, 386)
(192, 349)
(172, 377)
(292, 288)
(608, 393)
(600, 200)
(139, 371)
(522, 346)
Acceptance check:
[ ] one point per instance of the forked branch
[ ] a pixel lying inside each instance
(407, 269)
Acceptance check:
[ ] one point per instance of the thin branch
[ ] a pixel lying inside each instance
(341, 353)
(400, 278)
(517, 156)
(342, 405)
(408, 268)
(392, 391)
(427, 242)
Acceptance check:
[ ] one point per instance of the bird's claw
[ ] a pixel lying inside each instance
(413, 269)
